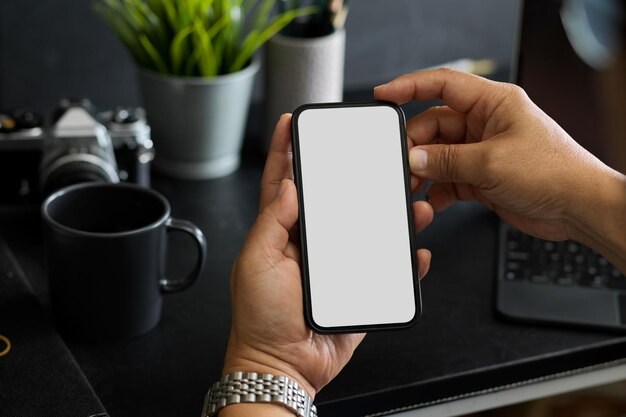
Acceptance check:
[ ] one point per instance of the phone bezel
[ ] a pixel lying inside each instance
(308, 313)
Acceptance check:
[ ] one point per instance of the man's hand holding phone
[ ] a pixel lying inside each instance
(269, 333)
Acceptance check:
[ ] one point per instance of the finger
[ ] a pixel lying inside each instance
(409, 142)
(423, 261)
(439, 123)
(449, 163)
(270, 232)
(278, 164)
(417, 184)
(459, 90)
(441, 195)
(422, 215)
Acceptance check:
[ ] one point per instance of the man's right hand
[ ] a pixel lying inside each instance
(491, 143)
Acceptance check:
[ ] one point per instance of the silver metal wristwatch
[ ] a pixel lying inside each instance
(250, 387)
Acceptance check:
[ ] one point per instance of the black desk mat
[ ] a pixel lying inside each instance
(38, 374)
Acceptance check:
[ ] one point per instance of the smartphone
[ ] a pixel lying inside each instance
(359, 265)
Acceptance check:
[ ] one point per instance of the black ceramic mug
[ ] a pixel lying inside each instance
(106, 246)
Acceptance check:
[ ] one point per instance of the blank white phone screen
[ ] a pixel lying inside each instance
(355, 216)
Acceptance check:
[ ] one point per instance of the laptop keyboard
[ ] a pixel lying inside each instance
(564, 263)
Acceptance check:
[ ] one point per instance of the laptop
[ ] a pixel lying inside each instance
(565, 62)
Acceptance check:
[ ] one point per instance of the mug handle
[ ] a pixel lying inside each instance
(170, 286)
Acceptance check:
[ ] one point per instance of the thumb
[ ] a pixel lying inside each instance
(276, 219)
(448, 163)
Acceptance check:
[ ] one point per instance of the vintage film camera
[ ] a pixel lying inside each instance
(78, 145)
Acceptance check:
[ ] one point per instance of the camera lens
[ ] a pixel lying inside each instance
(74, 172)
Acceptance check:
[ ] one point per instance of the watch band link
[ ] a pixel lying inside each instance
(250, 387)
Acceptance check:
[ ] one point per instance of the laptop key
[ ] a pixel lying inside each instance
(511, 275)
(540, 279)
(599, 281)
(566, 281)
(518, 256)
(617, 282)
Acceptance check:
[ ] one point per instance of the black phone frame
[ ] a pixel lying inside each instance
(306, 289)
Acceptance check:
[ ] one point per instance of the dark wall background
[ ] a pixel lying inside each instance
(58, 48)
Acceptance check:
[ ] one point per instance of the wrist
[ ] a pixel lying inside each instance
(597, 216)
(241, 358)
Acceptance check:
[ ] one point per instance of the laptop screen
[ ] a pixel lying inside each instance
(571, 62)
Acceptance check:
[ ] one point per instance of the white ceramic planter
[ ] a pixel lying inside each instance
(300, 71)
(198, 124)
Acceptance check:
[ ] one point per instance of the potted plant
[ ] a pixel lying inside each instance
(196, 72)
(304, 63)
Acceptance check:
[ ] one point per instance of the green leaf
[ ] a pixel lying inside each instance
(153, 24)
(157, 8)
(256, 39)
(207, 61)
(262, 15)
(170, 13)
(178, 48)
(153, 54)
(191, 66)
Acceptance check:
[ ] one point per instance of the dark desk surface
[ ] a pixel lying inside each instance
(459, 347)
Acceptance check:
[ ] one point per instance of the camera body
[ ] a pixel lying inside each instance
(78, 145)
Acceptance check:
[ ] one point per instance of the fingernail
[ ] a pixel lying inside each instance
(379, 86)
(418, 159)
(283, 187)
